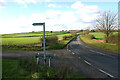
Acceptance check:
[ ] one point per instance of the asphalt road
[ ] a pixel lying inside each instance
(62, 59)
(105, 61)
(80, 58)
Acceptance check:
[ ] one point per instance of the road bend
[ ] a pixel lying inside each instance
(105, 61)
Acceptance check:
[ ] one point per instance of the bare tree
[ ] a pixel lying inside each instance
(106, 22)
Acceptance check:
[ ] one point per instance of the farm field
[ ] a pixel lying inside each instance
(100, 36)
(23, 39)
(30, 34)
(26, 38)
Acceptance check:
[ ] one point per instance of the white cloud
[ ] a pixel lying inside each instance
(53, 13)
(20, 1)
(87, 12)
(25, 2)
(68, 17)
(82, 8)
(79, 18)
(2, 3)
(77, 5)
(52, 5)
(37, 17)
(31, 1)
(21, 24)
(47, 0)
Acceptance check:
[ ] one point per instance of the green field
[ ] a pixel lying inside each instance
(27, 38)
(100, 35)
(30, 34)
(24, 40)
(19, 41)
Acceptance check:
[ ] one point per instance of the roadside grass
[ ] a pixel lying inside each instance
(28, 69)
(106, 46)
(14, 47)
(11, 69)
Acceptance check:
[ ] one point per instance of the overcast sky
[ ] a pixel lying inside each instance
(18, 15)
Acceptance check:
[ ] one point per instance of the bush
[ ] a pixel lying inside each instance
(73, 34)
(113, 38)
(50, 41)
(92, 31)
(90, 36)
(66, 37)
(86, 32)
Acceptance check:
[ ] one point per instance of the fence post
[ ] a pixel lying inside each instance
(37, 57)
(49, 61)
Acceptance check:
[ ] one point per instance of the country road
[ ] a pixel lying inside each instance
(85, 60)
(104, 61)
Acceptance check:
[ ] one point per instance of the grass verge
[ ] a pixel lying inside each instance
(106, 46)
(29, 69)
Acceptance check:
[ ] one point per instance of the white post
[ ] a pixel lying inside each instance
(37, 58)
(49, 62)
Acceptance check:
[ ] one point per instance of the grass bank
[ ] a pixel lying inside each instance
(29, 69)
(106, 46)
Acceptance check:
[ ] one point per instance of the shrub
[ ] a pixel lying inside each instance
(113, 38)
(90, 36)
(85, 32)
(92, 31)
(66, 37)
(67, 32)
(50, 41)
(73, 34)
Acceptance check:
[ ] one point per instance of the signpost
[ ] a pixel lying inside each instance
(42, 56)
(38, 56)
(39, 24)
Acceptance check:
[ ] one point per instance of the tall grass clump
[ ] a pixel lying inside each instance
(113, 38)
